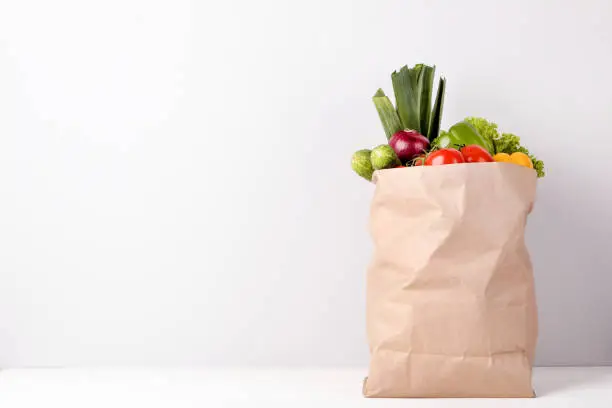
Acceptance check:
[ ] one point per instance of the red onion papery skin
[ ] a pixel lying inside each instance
(408, 144)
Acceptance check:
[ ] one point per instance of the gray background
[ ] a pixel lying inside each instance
(175, 184)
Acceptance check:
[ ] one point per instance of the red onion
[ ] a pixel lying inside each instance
(408, 144)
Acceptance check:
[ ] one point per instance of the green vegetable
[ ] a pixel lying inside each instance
(387, 114)
(436, 115)
(509, 143)
(413, 89)
(505, 142)
(384, 157)
(414, 75)
(361, 164)
(463, 134)
(406, 98)
(425, 89)
(485, 128)
(435, 145)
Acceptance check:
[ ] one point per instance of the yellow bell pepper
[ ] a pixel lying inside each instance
(517, 158)
(502, 157)
(521, 159)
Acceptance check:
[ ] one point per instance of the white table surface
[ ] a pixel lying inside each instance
(177, 388)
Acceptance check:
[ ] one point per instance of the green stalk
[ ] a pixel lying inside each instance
(426, 90)
(436, 116)
(415, 75)
(387, 114)
(406, 99)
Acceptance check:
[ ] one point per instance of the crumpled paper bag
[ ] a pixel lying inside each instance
(451, 309)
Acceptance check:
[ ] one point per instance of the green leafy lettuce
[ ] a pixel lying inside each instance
(505, 142)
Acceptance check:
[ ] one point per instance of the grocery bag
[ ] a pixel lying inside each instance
(451, 309)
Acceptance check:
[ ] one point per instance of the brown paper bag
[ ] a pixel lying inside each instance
(451, 308)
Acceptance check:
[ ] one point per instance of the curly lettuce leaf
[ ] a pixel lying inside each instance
(507, 143)
(538, 165)
(504, 142)
(510, 143)
(485, 128)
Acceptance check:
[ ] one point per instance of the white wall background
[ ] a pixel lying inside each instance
(175, 184)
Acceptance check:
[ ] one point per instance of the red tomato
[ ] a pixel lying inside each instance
(419, 161)
(444, 156)
(476, 154)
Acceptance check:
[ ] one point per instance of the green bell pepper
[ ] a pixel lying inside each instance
(464, 134)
